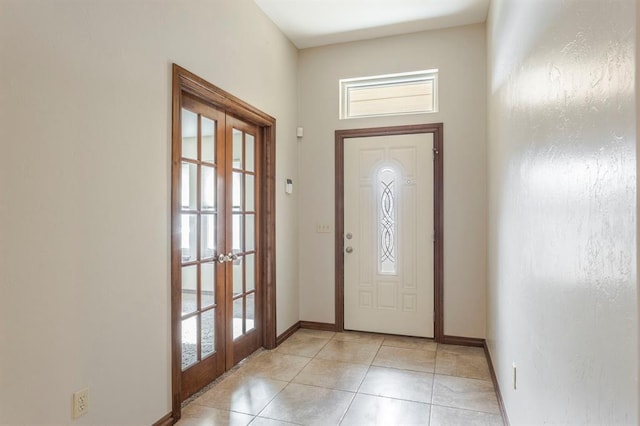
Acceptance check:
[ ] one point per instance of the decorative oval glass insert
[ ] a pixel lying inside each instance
(387, 223)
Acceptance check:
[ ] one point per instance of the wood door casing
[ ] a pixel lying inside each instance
(341, 137)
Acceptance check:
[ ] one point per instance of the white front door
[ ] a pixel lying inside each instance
(388, 231)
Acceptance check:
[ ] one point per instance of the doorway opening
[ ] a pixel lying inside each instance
(222, 233)
(343, 137)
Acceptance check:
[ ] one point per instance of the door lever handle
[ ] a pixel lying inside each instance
(222, 258)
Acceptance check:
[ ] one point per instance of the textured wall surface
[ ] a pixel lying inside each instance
(85, 125)
(459, 54)
(562, 294)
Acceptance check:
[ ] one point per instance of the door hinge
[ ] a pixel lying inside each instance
(435, 152)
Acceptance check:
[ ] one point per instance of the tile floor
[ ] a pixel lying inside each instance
(324, 378)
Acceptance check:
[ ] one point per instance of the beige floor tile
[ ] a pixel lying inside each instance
(302, 345)
(263, 421)
(375, 410)
(274, 365)
(406, 359)
(332, 374)
(468, 394)
(358, 336)
(318, 334)
(471, 365)
(197, 415)
(308, 405)
(410, 343)
(349, 351)
(244, 394)
(461, 350)
(400, 384)
(446, 416)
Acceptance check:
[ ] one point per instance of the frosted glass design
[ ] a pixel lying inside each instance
(387, 226)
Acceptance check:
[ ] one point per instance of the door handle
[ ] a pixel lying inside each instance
(222, 258)
(349, 249)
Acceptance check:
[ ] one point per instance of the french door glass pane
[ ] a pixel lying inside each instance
(189, 236)
(207, 284)
(208, 129)
(237, 276)
(207, 333)
(236, 198)
(189, 341)
(237, 233)
(208, 237)
(208, 188)
(189, 289)
(237, 149)
(250, 265)
(251, 308)
(249, 154)
(189, 134)
(189, 186)
(237, 318)
(249, 194)
(249, 232)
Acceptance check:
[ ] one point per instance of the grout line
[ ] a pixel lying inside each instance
(467, 409)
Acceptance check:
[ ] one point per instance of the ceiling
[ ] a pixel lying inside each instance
(309, 23)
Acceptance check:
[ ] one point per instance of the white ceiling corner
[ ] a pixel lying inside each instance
(310, 23)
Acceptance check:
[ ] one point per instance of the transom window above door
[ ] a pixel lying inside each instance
(392, 94)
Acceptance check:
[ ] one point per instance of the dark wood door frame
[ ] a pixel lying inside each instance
(185, 82)
(340, 137)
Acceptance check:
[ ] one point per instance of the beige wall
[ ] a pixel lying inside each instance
(562, 286)
(84, 191)
(459, 54)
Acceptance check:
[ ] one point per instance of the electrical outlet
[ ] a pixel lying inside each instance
(80, 403)
(515, 376)
(322, 228)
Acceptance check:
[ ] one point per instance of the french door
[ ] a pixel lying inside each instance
(216, 262)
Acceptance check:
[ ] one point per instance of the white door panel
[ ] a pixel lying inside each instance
(388, 223)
